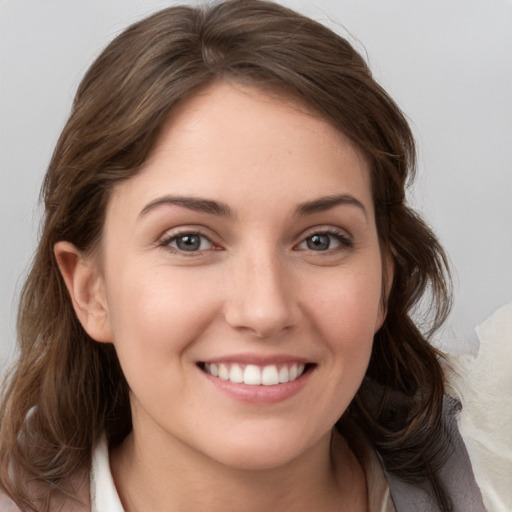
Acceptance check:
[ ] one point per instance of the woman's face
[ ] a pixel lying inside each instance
(241, 275)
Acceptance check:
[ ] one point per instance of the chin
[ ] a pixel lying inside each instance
(263, 451)
(261, 460)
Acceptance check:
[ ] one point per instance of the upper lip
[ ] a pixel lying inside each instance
(258, 359)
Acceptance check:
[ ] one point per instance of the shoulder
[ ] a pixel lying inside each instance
(7, 505)
(456, 475)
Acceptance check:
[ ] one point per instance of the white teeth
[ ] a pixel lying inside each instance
(293, 371)
(284, 374)
(236, 374)
(223, 372)
(269, 376)
(254, 375)
(214, 370)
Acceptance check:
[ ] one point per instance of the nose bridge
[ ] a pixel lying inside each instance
(261, 298)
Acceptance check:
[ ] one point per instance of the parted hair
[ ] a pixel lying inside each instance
(65, 390)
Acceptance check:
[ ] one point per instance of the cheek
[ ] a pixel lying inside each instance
(342, 310)
(156, 310)
(156, 316)
(345, 309)
(349, 301)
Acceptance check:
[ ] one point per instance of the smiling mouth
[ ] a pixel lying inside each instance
(254, 375)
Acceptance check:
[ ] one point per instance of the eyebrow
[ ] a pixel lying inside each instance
(212, 207)
(326, 203)
(192, 203)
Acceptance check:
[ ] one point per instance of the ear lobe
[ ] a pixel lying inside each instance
(86, 290)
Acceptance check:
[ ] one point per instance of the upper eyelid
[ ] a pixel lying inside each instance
(333, 234)
(173, 232)
(172, 236)
(324, 229)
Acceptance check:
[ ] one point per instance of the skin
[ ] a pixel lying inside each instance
(257, 286)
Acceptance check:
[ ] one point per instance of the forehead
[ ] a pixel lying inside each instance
(246, 146)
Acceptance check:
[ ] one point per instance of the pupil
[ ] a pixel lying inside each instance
(188, 242)
(318, 242)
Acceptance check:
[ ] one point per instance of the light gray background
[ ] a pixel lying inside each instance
(448, 63)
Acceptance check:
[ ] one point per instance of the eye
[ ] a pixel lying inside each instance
(188, 242)
(324, 241)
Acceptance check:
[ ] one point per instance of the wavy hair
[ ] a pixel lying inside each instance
(65, 389)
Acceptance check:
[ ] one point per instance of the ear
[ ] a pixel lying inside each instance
(388, 273)
(86, 288)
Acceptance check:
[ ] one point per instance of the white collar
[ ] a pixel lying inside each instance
(104, 497)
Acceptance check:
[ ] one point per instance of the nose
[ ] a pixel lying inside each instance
(261, 299)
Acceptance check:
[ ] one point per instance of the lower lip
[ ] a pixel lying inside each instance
(260, 394)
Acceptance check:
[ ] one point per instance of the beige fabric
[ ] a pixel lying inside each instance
(485, 387)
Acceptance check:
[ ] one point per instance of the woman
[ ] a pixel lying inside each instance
(219, 312)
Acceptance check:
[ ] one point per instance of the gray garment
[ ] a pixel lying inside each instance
(457, 476)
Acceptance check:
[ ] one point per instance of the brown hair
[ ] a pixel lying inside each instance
(65, 390)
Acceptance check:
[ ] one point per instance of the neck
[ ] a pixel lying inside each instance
(326, 477)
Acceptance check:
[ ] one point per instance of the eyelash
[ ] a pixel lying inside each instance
(166, 242)
(344, 242)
